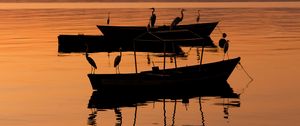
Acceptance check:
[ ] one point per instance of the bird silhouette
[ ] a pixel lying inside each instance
(226, 47)
(91, 62)
(177, 20)
(108, 18)
(152, 18)
(198, 17)
(117, 61)
(148, 59)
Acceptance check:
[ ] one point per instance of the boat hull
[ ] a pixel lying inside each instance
(109, 99)
(169, 79)
(130, 32)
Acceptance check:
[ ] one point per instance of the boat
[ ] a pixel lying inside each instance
(181, 37)
(130, 32)
(169, 79)
(110, 100)
(193, 76)
(98, 43)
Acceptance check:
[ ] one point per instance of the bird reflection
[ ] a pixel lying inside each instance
(228, 103)
(171, 59)
(148, 59)
(186, 102)
(92, 118)
(198, 54)
(118, 116)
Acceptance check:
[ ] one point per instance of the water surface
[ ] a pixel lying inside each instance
(40, 86)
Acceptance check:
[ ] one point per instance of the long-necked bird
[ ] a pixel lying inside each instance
(198, 17)
(117, 61)
(91, 62)
(108, 18)
(177, 20)
(152, 18)
(226, 47)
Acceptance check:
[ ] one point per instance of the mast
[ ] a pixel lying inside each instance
(164, 56)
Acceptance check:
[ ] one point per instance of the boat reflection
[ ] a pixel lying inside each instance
(110, 100)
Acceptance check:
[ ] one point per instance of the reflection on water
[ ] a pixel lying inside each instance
(52, 87)
(107, 100)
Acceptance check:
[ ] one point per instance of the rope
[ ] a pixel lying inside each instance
(251, 79)
(245, 71)
(219, 29)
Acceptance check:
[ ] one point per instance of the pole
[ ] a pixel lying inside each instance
(135, 62)
(202, 54)
(174, 112)
(175, 62)
(165, 111)
(164, 56)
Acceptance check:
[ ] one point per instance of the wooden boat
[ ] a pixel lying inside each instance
(97, 43)
(182, 37)
(176, 78)
(130, 32)
(166, 79)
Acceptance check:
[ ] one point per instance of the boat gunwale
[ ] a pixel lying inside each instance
(172, 69)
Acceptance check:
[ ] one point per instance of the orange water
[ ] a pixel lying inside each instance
(40, 86)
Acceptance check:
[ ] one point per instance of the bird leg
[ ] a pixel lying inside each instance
(227, 55)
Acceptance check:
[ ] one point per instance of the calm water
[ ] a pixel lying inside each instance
(39, 86)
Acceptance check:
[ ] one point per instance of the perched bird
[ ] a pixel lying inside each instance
(148, 58)
(91, 62)
(117, 61)
(223, 40)
(198, 17)
(152, 18)
(108, 18)
(177, 20)
(226, 48)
